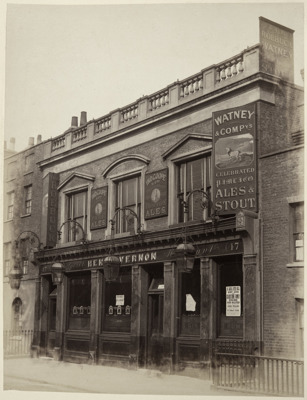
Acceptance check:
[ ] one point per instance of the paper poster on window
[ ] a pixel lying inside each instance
(233, 301)
(190, 303)
(120, 299)
(99, 208)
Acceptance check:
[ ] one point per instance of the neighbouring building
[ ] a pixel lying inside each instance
(171, 228)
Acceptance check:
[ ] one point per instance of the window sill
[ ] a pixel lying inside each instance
(25, 215)
(8, 220)
(69, 244)
(296, 264)
(189, 223)
(28, 173)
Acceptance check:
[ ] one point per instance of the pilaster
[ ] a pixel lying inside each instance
(96, 285)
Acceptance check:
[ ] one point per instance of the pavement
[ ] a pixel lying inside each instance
(48, 375)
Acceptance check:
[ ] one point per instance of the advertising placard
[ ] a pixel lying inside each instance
(234, 159)
(276, 49)
(99, 208)
(156, 194)
(233, 301)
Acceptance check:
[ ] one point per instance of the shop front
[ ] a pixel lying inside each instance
(152, 314)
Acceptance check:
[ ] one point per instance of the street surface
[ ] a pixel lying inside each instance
(47, 375)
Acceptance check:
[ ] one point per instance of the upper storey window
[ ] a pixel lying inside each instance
(10, 207)
(193, 175)
(128, 194)
(77, 211)
(28, 199)
(298, 231)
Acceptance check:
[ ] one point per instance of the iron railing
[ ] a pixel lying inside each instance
(17, 343)
(259, 374)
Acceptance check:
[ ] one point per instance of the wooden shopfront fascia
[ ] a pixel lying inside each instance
(151, 248)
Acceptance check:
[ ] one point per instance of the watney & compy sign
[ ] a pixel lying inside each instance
(234, 159)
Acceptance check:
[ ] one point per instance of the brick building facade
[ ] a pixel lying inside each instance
(210, 167)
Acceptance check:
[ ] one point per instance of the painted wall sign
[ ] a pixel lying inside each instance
(99, 208)
(156, 194)
(233, 301)
(276, 49)
(49, 210)
(234, 159)
(203, 250)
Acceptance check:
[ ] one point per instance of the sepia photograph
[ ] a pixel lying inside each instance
(152, 199)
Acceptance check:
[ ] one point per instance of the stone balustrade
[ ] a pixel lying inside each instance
(191, 85)
(103, 125)
(158, 100)
(58, 142)
(210, 79)
(79, 134)
(129, 113)
(229, 69)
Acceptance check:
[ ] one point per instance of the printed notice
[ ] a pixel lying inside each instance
(120, 299)
(190, 303)
(233, 301)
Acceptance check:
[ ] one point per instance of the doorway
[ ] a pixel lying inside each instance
(51, 327)
(155, 323)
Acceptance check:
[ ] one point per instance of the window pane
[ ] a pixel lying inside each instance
(117, 312)
(80, 302)
(193, 175)
(230, 306)
(128, 194)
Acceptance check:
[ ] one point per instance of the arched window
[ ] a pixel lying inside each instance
(16, 314)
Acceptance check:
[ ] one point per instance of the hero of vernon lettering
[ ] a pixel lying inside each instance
(234, 159)
(156, 194)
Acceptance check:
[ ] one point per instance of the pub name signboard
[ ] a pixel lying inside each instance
(156, 194)
(234, 159)
(152, 256)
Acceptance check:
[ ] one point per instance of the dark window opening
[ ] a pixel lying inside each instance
(117, 303)
(190, 301)
(230, 299)
(79, 302)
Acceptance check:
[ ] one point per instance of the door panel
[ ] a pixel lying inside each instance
(51, 326)
(155, 329)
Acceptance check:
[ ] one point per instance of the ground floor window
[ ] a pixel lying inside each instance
(230, 296)
(190, 301)
(79, 301)
(117, 303)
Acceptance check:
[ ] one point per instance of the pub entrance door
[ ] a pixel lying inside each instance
(155, 323)
(51, 322)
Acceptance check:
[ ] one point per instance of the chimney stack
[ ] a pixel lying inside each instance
(83, 118)
(39, 139)
(12, 141)
(74, 122)
(31, 141)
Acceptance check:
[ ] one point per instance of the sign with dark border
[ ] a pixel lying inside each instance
(234, 159)
(99, 208)
(156, 194)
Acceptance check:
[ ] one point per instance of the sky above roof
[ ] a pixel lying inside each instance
(64, 59)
